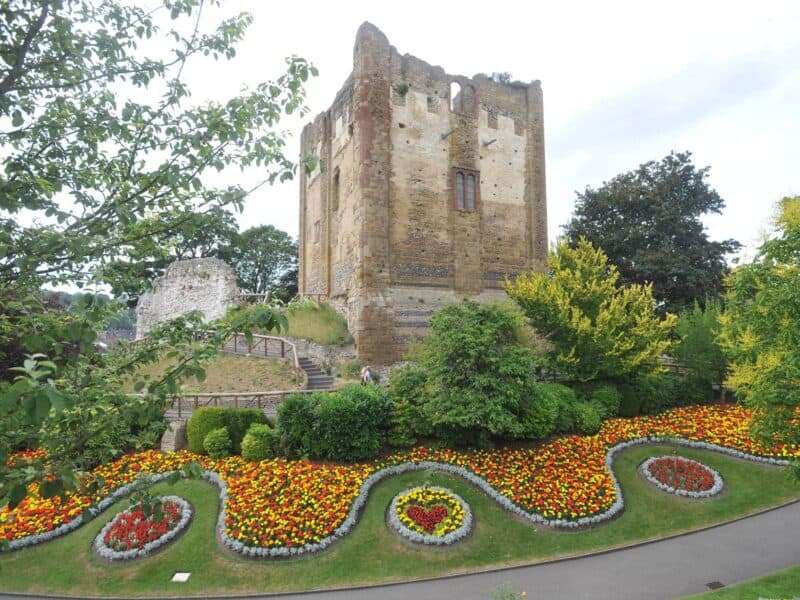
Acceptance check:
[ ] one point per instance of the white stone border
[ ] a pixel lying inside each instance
(713, 491)
(104, 551)
(374, 478)
(422, 538)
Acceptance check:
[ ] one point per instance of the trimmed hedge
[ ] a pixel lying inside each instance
(348, 425)
(236, 420)
(201, 423)
(260, 442)
(538, 411)
(218, 443)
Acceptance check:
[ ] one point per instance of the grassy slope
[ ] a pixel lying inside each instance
(371, 553)
(318, 323)
(231, 373)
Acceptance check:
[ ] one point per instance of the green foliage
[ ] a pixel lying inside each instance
(631, 404)
(217, 443)
(477, 372)
(587, 418)
(538, 411)
(236, 422)
(606, 399)
(698, 348)
(260, 442)
(203, 421)
(598, 329)
(408, 395)
(296, 416)
(103, 173)
(317, 322)
(566, 401)
(760, 330)
(648, 222)
(261, 256)
(351, 424)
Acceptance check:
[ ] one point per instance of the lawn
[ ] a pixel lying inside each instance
(781, 584)
(371, 553)
(233, 373)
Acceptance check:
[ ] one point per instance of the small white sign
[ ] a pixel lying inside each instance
(180, 577)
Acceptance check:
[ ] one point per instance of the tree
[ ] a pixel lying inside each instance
(761, 330)
(598, 328)
(181, 236)
(91, 174)
(261, 256)
(647, 222)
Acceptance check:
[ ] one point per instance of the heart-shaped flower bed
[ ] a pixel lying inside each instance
(682, 476)
(430, 515)
(132, 533)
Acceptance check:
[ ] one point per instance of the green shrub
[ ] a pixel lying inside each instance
(587, 419)
(351, 424)
(478, 370)
(698, 348)
(218, 443)
(238, 422)
(296, 423)
(407, 395)
(566, 399)
(631, 404)
(202, 421)
(538, 412)
(260, 442)
(606, 399)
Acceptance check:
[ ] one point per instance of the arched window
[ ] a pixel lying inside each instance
(455, 97)
(466, 189)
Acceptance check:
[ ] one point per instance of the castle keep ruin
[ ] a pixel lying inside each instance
(432, 189)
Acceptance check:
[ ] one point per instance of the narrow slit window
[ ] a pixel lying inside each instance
(460, 191)
(470, 204)
(335, 194)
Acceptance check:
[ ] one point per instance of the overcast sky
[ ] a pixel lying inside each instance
(623, 82)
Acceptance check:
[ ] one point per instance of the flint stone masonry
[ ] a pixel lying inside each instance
(386, 229)
(204, 284)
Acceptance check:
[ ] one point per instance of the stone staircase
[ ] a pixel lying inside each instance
(318, 380)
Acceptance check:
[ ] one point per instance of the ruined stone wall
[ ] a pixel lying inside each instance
(204, 284)
(393, 244)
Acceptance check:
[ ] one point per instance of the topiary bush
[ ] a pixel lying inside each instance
(203, 421)
(218, 443)
(351, 424)
(238, 422)
(260, 442)
(587, 419)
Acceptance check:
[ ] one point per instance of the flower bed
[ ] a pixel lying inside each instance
(682, 476)
(281, 507)
(131, 534)
(430, 515)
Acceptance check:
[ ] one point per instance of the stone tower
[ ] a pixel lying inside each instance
(431, 189)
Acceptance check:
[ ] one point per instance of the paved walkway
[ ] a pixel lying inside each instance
(665, 569)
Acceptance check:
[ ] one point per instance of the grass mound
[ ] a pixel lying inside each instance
(317, 323)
